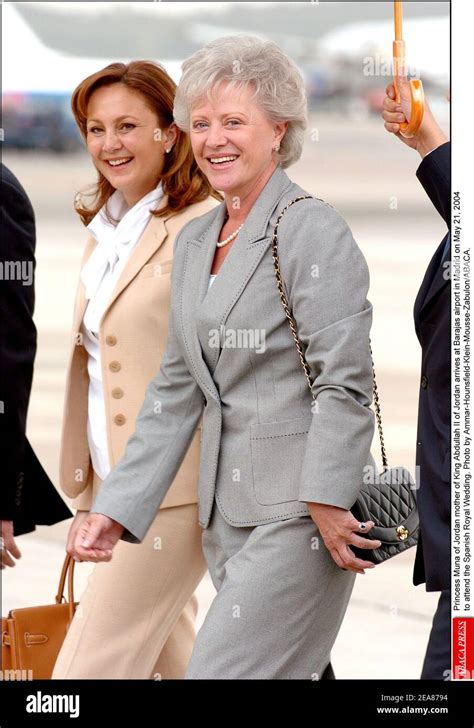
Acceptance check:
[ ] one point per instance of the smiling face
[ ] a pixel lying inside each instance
(232, 141)
(120, 138)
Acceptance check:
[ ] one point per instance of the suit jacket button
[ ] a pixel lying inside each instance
(117, 393)
(119, 419)
(115, 366)
(424, 382)
(111, 340)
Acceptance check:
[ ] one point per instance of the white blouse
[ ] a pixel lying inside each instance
(115, 244)
(211, 280)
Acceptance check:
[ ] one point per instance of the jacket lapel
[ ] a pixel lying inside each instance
(81, 301)
(152, 238)
(434, 280)
(203, 309)
(150, 241)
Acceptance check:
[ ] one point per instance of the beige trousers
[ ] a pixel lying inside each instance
(135, 619)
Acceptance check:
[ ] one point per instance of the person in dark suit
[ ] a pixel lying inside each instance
(432, 314)
(28, 496)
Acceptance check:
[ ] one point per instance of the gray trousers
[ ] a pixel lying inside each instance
(280, 601)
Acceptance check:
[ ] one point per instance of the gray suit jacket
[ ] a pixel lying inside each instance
(230, 357)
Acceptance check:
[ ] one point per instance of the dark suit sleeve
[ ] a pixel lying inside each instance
(17, 330)
(28, 497)
(434, 174)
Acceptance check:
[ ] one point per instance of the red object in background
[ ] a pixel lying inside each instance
(463, 648)
(374, 99)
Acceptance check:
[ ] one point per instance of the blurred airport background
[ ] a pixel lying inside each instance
(342, 48)
(344, 51)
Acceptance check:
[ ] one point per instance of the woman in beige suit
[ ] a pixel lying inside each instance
(136, 617)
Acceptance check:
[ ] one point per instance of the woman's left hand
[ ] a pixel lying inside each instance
(339, 530)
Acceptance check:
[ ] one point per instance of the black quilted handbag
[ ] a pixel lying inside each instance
(388, 498)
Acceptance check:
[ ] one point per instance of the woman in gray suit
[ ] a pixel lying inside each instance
(279, 471)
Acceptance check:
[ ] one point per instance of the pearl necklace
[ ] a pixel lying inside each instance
(231, 237)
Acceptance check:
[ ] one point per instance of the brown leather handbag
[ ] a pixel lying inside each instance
(32, 636)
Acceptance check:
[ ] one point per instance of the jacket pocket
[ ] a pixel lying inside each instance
(277, 452)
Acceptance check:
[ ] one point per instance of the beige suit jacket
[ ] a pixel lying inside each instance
(132, 334)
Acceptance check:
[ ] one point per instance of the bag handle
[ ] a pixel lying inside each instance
(68, 569)
(298, 343)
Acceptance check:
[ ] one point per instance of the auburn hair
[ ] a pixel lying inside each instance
(182, 180)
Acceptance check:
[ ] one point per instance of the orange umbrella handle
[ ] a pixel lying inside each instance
(407, 129)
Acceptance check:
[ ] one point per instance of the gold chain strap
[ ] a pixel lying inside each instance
(299, 346)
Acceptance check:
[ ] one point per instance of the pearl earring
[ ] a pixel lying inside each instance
(276, 148)
(168, 150)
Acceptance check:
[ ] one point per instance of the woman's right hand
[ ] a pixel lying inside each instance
(79, 519)
(97, 536)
